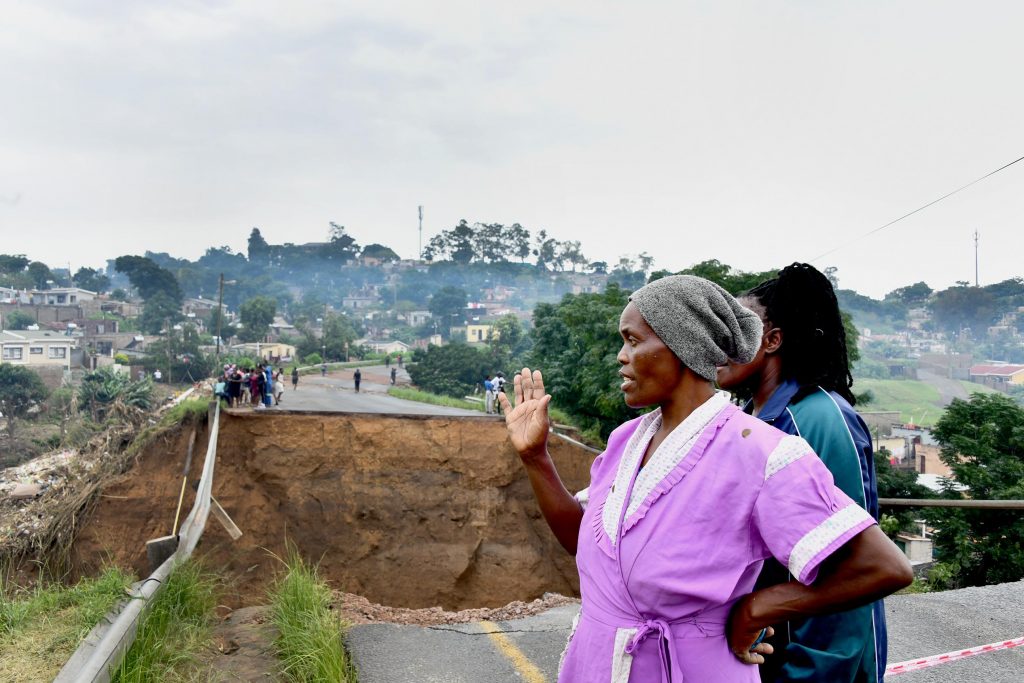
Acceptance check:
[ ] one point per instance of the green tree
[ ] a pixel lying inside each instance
(339, 336)
(571, 252)
(91, 279)
(379, 251)
(982, 442)
(508, 343)
(341, 247)
(21, 390)
(159, 311)
(458, 244)
(40, 274)
(12, 265)
(575, 343)
(448, 306)
(149, 278)
(178, 356)
(733, 281)
(518, 239)
(19, 320)
(894, 483)
(217, 320)
(545, 249)
(453, 370)
(258, 249)
(912, 295)
(964, 306)
(256, 314)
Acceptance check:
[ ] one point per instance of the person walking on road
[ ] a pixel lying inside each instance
(357, 377)
(499, 388)
(488, 395)
(323, 369)
(387, 361)
(399, 360)
(295, 378)
(278, 386)
(394, 376)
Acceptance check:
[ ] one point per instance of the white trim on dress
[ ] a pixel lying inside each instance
(789, 449)
(824, 535)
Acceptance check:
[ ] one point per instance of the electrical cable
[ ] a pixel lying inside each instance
(922, 208)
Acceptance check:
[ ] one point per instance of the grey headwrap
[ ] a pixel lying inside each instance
(701, 322)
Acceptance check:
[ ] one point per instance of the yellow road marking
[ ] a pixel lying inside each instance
(522, 664)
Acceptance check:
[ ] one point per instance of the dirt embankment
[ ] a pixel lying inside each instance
(407, 511)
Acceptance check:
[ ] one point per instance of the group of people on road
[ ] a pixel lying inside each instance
(259, 387)
(493, 385)
(718, 542)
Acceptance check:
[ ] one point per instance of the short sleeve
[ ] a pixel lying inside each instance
(801, 516)
(583, 497)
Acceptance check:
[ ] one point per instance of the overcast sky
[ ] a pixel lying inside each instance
(756, 133)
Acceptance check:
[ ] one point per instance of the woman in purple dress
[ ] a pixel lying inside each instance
(687, 502)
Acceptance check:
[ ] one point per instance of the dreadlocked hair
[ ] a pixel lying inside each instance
(802, 303)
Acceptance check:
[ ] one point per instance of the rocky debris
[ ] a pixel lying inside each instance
(25, 491)
(45, 471)
(356, 609)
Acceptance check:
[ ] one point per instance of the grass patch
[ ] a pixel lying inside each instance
(191, 410)
(916, 402)
(309, 641)
(174, 630)
(40, 628)
(972, 388)
(420, 396)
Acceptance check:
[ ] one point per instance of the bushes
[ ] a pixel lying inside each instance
(106, 391)
(452, 370)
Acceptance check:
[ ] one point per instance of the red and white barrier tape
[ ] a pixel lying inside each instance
(926, 662)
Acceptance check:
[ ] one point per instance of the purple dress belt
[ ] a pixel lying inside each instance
(707, 624)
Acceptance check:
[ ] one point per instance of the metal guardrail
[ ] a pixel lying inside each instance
(105, 646)
(945, 503)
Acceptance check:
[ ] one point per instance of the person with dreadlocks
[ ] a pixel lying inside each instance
(800, 383)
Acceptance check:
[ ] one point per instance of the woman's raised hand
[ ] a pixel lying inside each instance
(527, 423)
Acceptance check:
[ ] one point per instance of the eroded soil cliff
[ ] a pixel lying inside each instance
(407, 511)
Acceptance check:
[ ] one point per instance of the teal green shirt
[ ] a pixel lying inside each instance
(849, 646)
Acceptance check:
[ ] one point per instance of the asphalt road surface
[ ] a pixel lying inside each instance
(919, 626)
(336, 393)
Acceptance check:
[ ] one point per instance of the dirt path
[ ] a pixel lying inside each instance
(948, 388)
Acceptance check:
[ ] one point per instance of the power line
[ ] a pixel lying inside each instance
(922, 208)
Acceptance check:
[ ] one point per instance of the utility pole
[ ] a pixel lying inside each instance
(220, 311)
(975, 258)
(169, 354)
(419, 253)
(220, 308)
